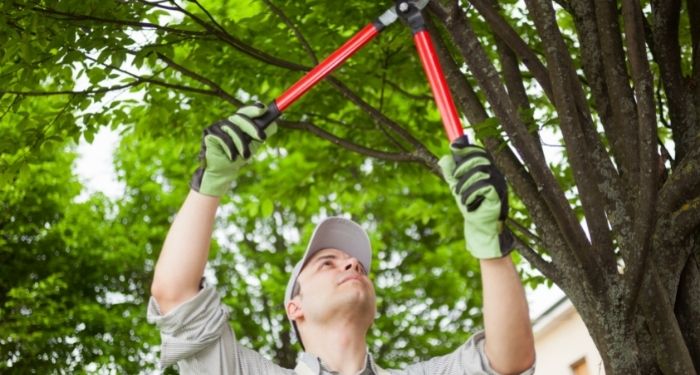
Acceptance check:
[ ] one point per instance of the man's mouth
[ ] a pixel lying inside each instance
(350, 278)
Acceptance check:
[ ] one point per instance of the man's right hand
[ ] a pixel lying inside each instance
(226, 146)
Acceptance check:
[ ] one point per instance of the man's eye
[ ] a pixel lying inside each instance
(326, 263)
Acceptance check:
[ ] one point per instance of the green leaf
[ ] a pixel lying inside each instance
(267, 208)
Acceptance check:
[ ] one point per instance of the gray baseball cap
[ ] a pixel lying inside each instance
(336, 233)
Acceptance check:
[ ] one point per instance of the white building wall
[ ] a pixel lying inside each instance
(562, 340)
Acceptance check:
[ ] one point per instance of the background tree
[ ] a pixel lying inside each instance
(590, 108)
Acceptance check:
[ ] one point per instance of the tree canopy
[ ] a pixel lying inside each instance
(589, 107)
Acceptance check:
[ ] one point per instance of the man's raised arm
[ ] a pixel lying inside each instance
(482, 196)
(509, 341)
(226, 145)
(181, 262)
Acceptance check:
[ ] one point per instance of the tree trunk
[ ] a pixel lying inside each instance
(648, 343)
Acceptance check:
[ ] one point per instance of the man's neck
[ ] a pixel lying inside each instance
(342, 348)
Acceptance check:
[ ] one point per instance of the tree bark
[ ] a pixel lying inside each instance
(687, 307)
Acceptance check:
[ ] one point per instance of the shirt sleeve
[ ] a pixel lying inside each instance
(197, 336)
(468, 359)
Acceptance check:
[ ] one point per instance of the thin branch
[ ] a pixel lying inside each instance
(198, 77)
(157, 82)
(62, 112)
(203, 9)
(506, 33)
(15, 100)
(314, 115)
(328, 120)
(158, 4)
(225, 36)
(297, 32)
(401, 91)
(313, 129)
(101, 90)
(548, 269)
(378, 116)
(65, 16)
(525, 231)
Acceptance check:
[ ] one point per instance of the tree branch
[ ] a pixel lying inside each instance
(592, 63)
(302, 40)
(645, 213)
(566, 93)
(663, 326)
(158, 82)
(684, 182)
(407, 94)
(525, 231)
(66, 16)
(225, 36)
(619, 91)
(158, 4)
(101, 90)
(506, 33)
(206, 12)
(547, 268)
(666, 15)
(379, 117)
(694, 18)
(402, 157)
(619, 206)
(513, 79)
(215, 88)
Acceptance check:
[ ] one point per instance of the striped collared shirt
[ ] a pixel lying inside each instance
(196, 335)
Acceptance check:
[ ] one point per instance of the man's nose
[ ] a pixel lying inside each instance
(353, 264)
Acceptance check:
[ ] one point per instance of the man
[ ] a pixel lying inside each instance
(330, 300)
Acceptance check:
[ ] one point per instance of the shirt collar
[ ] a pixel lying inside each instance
(317, 365)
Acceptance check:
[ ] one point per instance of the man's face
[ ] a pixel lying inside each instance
(333, 284)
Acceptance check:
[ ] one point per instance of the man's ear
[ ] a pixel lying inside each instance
(294, 310)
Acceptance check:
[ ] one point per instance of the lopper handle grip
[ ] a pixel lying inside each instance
(270, 115)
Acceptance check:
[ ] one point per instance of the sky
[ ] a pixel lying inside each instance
(95, 169)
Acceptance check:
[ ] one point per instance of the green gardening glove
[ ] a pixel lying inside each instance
(482, 196)
(226, 146)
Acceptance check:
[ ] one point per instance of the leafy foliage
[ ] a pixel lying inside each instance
(56, 319)
(565, 95)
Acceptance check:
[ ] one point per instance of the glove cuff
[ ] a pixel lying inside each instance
(506, 241)
(492, 245)
(212, 187)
